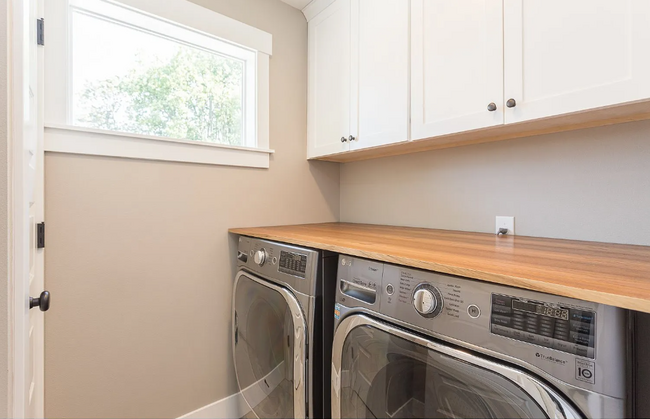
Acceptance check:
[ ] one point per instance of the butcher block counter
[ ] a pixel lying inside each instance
(612, 274)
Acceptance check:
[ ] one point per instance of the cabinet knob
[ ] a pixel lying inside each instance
(492, 107)
(511, 103)
(351, 138)
(343, 139)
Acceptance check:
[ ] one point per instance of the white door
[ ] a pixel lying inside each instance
(380, 72)
(457, 66)
(567, 56)
(329, 81)
(27, 178)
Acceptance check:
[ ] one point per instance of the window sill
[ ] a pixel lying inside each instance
(79, 140)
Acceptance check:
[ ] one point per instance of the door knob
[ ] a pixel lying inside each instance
(511, 103)
(343, 139)
(42, 302)
(492, 107)
(351, 138)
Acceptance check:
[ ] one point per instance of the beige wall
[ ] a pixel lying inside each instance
(587, 185)
(4, 272)
(139, 262)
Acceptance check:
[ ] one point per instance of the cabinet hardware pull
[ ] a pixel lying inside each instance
(511, 103)
(343, 139)
(492, 107)
(351, 138)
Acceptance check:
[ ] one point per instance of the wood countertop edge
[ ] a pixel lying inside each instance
(618, 300)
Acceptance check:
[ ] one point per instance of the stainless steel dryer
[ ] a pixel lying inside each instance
(416, 344)
(281, 339)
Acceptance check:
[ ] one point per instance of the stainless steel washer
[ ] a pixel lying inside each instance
(447, 347)
(281, 339)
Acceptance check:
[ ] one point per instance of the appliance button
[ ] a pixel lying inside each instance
(530, 337)
(580, 339)
(390, 290)
(582, 316)
(274, 260)
(502, 331)
(546, 329)
(581, 327)
(473, 311)
(501, 320)
(563, 346)
(500, 300)
(545, 341)
(518, 326)
(582, 351)
(501, 310)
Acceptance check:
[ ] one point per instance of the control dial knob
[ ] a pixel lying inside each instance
(427, 300)
(260, 257)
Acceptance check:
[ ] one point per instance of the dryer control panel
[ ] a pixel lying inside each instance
(552, 326)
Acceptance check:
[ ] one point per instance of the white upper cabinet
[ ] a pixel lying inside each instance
(380, 72)
(564, 56)
(329, 81)
(458, 72)
(457, 66)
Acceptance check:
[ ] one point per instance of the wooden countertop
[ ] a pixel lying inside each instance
(613, 274)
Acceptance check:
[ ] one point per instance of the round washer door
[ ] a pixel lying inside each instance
(383, 371)
(269, 348)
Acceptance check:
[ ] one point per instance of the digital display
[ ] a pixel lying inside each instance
(571, 330)
(558, 313)
(293, 263)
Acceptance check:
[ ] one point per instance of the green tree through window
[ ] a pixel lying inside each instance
(194, 95)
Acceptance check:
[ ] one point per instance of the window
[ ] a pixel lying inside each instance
(199, 79)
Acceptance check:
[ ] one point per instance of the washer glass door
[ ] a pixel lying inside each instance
(380, 374)
(269, 348)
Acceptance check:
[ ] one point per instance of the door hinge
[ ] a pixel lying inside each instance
(40, 31)
(40, 235)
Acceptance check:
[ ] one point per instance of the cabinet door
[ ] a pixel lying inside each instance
(329, 80)
(457, 66)
(566, 56)
(380, 72)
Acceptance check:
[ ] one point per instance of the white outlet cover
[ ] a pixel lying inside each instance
(505, 222)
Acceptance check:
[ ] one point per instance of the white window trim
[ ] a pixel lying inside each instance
(62, 137)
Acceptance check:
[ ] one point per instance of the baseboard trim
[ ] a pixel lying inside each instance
(231, 407)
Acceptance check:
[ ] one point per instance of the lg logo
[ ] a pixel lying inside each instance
(538, 355)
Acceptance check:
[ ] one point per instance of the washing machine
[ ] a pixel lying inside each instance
(281, 338)
(418, 344)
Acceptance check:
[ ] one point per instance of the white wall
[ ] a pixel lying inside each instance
(586, 185)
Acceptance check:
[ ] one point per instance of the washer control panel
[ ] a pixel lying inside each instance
(552, 326)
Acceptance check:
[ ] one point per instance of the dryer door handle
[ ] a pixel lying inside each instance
(236, 329)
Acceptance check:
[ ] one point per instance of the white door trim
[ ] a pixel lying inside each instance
(18, 219)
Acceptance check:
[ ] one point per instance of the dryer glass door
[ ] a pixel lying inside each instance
(382, 372)
(269, 348)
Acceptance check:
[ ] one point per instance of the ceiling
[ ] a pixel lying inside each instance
(298, 4)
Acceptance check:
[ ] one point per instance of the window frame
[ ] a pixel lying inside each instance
(187, 23)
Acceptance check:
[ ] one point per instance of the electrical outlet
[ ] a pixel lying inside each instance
(506, 222)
